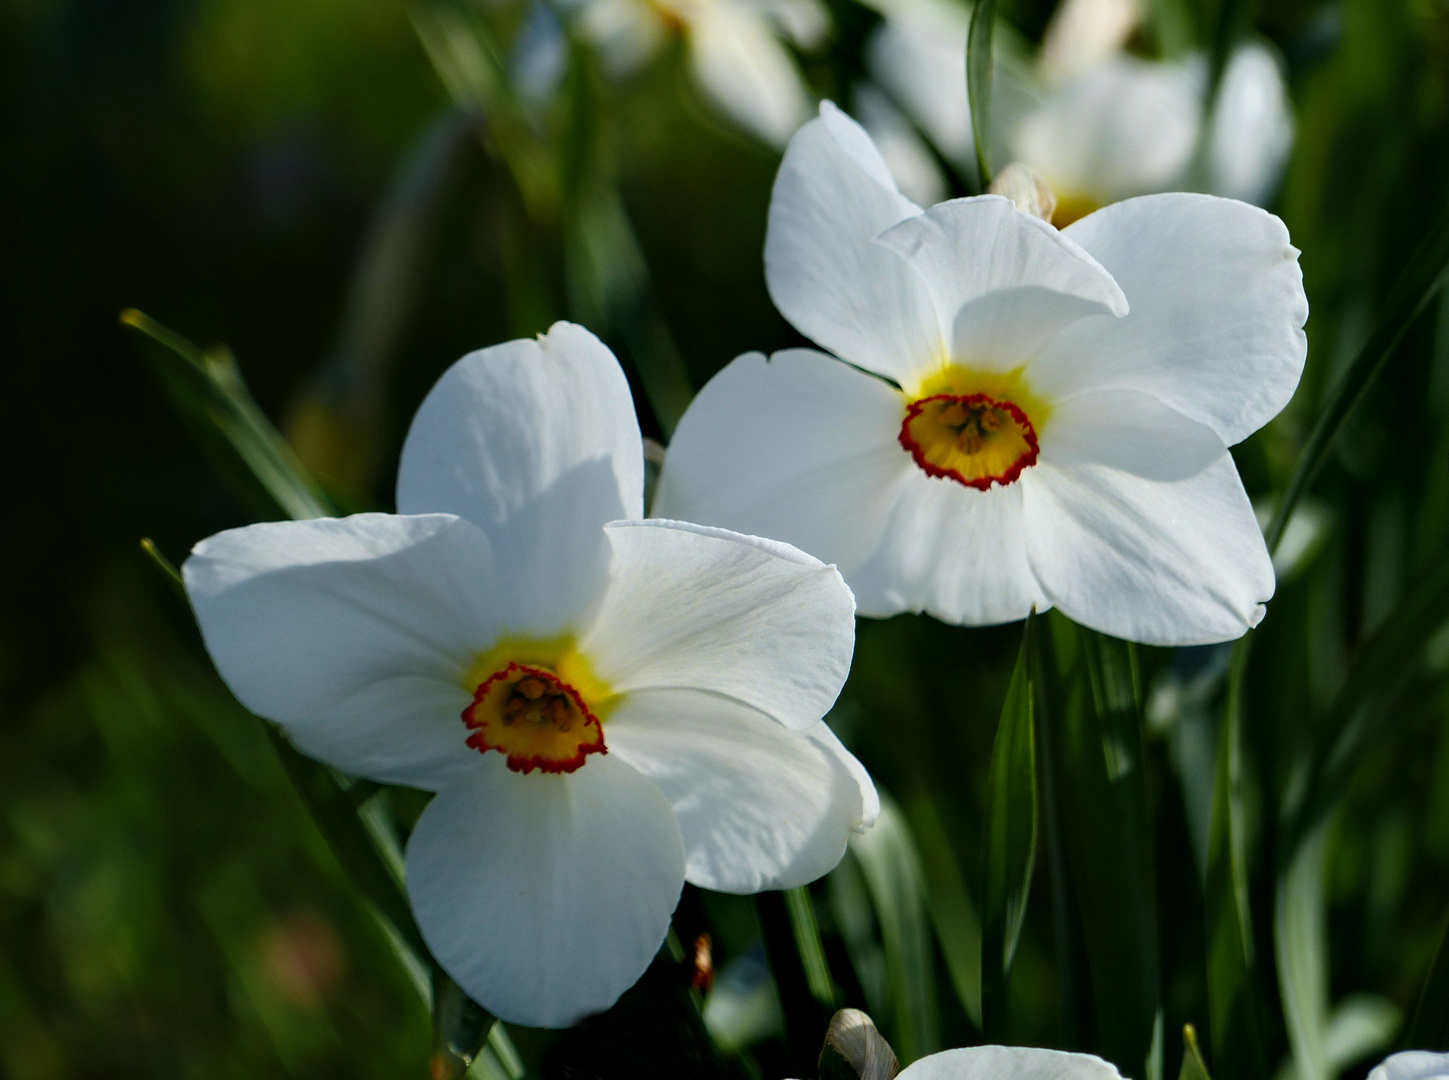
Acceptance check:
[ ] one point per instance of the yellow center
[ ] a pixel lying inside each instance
(1072, 208)
(537, 702)
(974, 427)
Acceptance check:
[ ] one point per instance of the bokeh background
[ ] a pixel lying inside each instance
(303, 181)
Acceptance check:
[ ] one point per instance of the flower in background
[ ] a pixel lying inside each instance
(1007, 1063)
(737, 51)
(1412, 1065)
(1098, 124)
(604, 711)
(1025, 417)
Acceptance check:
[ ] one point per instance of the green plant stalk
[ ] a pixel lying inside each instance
(806, 1016)
(978, 84)
(1430, 1027)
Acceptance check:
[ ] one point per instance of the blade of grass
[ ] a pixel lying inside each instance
(978, 84)
(1411, 292)
(207, 389)
(812, 950)
(1300, 943)
(891, 865)
(1010, 842)
(805, 1016)
(1193, 1066)
(1109, 843)
(953, 914)
(1430, 1029)
(1232, 995)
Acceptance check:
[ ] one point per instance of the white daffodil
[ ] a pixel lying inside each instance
(603, 710)
(1009, 1063)
(737, 51)
(1412, 1065)
(1024, 416)
(1098, 124)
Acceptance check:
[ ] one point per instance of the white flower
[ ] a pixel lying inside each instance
(603, 710)
(735, 51)
(1025, 417)
(1098, 124)
(1010, 1063)
(1412, 1065)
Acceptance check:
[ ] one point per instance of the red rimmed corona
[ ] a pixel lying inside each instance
(535, 718)
(973, 439)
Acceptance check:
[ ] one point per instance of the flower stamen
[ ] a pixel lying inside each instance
(530, 714)
(974, 439)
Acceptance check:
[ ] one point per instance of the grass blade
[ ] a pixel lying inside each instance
(978, 83)
(1109, 844)
(954, 915)
(1232, 995)
(891, 866)
(207, 390)
(1011, 837)
(1430, 1029)
(1416, 285)
(805, 1015)
(1193, 1066)
(1300, 942)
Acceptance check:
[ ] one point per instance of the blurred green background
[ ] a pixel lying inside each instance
(293, 178)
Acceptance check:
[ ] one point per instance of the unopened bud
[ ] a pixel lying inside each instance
(1024, 186)
(855, 1050)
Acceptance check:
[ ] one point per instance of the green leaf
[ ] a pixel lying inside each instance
(1232, 994)
(1300, 942)
(806, 929)
(1193, 1067)
(1430, 1029)
(953, 914)
(207, 389)
(978, 84)
(805, 1015)
(1411, 292)
(1108, 833)
(1011, 837)
(891, 866)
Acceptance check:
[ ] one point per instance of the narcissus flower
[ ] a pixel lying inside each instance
(604, 710)
(1412, 1065)
(1024, 416)
(736, 51)
(1008, 1063)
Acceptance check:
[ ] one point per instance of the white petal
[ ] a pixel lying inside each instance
(1252, 126)
(1137, 525)
(536, 443)
(705, 609)
(747, 71)
(759, 806)
(1216, 326)
(833, 194)
(1412, 1065)
(546, 896)
(952, 551)
(801, 448)
(353, 633)
(1083, 33)
(1009, 1063)
(627, 33)
(968, 249)
(1124, 128)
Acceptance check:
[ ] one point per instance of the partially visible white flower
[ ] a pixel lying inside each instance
(1025, 416)
(1099, 124)
(604, 710)
(1010, 1063)
(736, 51)
(1412, 1065)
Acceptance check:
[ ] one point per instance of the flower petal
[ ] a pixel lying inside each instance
(546, 896)
(799, 447)
(536, 443)
(1009, 1063)
(834, 193)
(705, 609)
(968, 249)
(952, 551)
(759, 806)
(1138, 526)
(353, 633)
(1216, 327)
(1412, 1065)
(747, 71)
(1252, 126)
(1124, 128)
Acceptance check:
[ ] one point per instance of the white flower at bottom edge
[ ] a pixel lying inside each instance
(603, 710)
(1412, 1065)
(1009, 1063)
(1005, 433)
